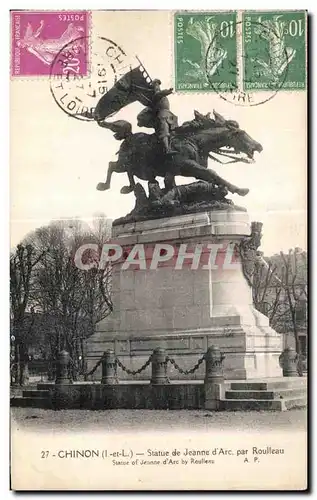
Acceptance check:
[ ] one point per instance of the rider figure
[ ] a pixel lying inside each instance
(158, 115)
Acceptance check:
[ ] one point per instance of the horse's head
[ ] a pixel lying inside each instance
(204, 120)
(232, 137)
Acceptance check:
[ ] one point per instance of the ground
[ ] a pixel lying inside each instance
(114, 420)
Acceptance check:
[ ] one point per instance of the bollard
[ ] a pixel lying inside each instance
(214, 378)
(302, 365)
(288, 360)
(62, 368)
(159, 367)
(109, 368)
(214, 369)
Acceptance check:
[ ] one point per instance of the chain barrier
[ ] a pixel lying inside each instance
(186, 372)
(94, 368)
(146, 364)
(118, 363)
(135, 372)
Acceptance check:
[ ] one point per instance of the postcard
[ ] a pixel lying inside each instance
(158, 266)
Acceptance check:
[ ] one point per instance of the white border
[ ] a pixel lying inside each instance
(311, 5)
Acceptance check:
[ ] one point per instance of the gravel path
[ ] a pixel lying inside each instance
(142, 420)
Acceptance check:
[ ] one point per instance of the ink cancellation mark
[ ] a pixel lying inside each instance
(236, 93)
(76, 94)
(37, 37)
(237, 54)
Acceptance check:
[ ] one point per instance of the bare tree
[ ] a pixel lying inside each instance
(23, 262)
(266, 289)
(74, 299)
(295, 288)
(280, 291)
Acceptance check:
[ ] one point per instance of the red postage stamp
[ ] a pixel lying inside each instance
(38, 37)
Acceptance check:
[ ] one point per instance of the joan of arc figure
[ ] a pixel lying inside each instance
(157, 115)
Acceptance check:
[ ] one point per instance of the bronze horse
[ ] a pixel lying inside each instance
(139, 153)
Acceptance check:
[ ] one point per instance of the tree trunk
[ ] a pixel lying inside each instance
(297, 343)
(23, 365)
(24, 373)
(15, 370)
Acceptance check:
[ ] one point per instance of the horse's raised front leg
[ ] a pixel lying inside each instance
(190, 168)
(113, 167)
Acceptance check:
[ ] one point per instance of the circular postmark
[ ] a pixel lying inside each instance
(83, 71)
(253, 69)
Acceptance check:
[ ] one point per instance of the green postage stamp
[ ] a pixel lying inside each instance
(240, 51)
(274, 49)
(205, 51)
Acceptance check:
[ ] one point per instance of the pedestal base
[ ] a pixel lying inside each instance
(186, 303)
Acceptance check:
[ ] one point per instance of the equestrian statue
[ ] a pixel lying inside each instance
(172, 150)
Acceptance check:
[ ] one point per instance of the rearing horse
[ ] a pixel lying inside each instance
(139, 153)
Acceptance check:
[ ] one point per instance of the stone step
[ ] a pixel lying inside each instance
(292, 382)
(297, 402)
(44, 386)
(16, 390)
(35, 393)
(276, 394)
(31, 402)
(263, 404)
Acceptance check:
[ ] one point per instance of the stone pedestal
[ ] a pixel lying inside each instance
(186, 305)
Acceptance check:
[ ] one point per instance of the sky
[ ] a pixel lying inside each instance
(57, 160)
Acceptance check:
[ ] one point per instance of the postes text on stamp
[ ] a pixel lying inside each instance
(37, 37)
(274, 50)
(205, 51)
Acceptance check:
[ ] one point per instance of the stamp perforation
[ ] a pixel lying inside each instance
(243, 95)
(30, 49)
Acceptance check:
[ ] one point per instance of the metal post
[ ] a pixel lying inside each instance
(62, 368)
(288, 360)
(108, 363)
(214, 369)
(159, 367)
(302, 365)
